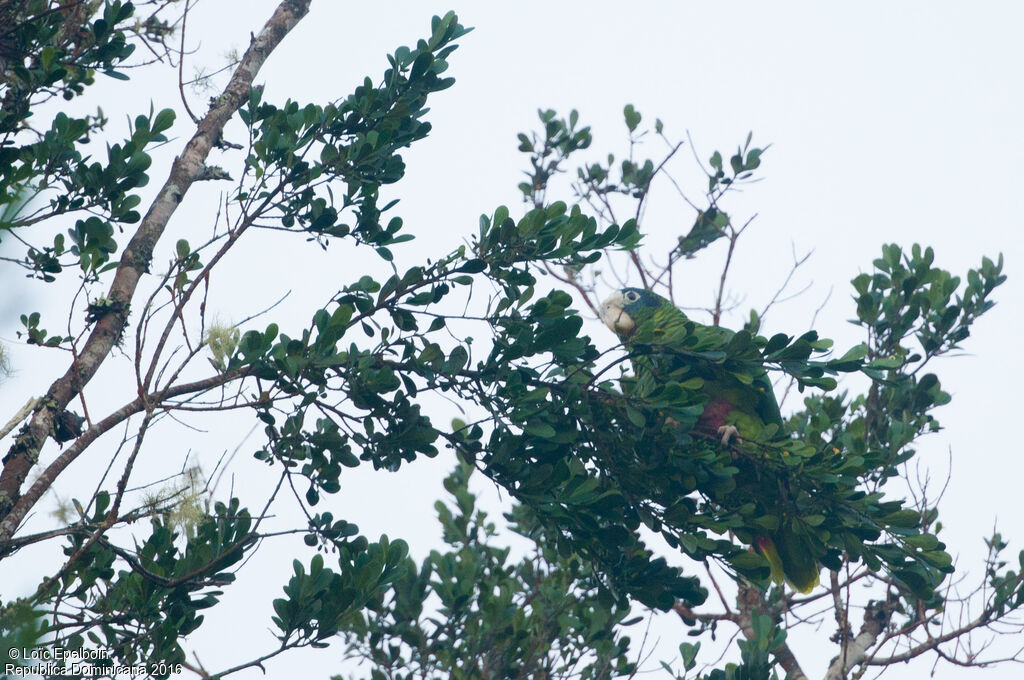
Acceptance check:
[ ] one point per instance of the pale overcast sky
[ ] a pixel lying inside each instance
(889, 122)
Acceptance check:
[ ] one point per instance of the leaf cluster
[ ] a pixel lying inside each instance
(472, 612)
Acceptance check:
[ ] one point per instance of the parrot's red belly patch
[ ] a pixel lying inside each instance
(715, 413)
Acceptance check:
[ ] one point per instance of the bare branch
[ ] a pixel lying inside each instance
(716, 314)
(46, 479)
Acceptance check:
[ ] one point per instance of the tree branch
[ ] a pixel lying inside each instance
(750, 601)
(876, 618)
(136, 259)
(41, 485)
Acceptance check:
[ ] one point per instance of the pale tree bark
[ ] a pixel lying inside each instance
(876, 618)
(135, 262)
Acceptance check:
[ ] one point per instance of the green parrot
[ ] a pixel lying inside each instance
(737, 403)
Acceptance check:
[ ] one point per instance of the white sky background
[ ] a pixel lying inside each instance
(887, 124)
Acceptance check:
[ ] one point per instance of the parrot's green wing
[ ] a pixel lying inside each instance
(737, 393)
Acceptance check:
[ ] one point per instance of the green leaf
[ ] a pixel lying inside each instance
(473, 266)
(905, 519)
(632, 116)
(163, 121)
(542, 430)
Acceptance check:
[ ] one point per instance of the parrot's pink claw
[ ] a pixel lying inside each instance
(728, 432)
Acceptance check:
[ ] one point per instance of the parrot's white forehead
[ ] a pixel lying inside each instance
(614, 316)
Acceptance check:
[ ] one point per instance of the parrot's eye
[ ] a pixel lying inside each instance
(632, 296)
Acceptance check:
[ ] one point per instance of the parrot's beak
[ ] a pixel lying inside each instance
(615, 317)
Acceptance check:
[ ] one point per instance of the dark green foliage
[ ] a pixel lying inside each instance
(144, 610)
(57, 52)
(471, 612)
(50, 55)
(322, 602)
(355, 142)
(22, 627)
